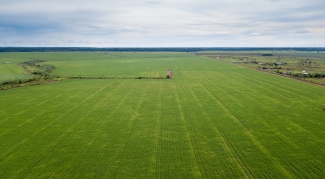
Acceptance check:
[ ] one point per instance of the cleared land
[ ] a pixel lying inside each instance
(213, 120)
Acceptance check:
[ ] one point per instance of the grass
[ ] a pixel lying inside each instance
(213, 120)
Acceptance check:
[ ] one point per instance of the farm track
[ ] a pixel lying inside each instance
(283, 76)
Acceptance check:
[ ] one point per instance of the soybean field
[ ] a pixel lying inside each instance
(212, 120)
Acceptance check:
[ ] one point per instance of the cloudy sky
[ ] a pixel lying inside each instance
(168, 23)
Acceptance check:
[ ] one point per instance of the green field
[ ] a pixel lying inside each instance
(8, 68)
(119, 64)
(213, 120)
(10, 71)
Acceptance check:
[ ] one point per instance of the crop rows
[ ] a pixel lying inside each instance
(213, 120)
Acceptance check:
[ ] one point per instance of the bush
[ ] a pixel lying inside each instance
(267, 54)
(318, 75)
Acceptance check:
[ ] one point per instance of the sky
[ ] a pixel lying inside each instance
(168, 23)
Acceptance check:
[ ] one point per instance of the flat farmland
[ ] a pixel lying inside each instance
(10, 71)
(213, 120)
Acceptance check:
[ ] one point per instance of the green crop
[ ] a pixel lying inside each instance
(212, 120)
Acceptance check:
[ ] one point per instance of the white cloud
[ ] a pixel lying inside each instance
(162, 23)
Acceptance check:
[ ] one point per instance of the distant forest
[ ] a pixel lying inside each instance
(162, 49)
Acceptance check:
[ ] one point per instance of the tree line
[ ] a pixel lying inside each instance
(153, 49)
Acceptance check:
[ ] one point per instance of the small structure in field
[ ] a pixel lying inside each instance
(170, 74)
(304, 72)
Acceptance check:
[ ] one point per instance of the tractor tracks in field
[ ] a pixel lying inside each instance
(226, 141)
(251, 136)
(282, 166)
(192, 139)
(23, 174)
(134, 125)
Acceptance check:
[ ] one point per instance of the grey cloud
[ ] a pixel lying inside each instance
(161, 23)
(153, 2)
